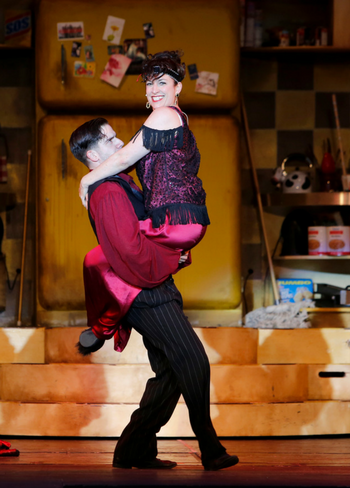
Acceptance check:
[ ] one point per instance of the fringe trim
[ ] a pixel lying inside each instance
(180, 213)
(160, 140)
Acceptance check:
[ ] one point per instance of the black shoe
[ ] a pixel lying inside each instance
(224, 461)
(89, 343)
(153, 464)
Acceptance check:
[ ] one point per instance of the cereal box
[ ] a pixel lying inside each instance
(294, 291)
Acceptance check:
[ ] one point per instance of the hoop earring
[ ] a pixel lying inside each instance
(148, 105)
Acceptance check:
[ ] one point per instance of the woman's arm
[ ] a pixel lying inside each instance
(161, 119)
(116, 163)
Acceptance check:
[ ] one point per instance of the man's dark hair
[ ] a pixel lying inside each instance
(85, 137)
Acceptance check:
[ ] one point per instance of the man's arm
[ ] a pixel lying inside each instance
(133, 256)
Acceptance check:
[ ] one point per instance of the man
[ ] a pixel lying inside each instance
(177, 356)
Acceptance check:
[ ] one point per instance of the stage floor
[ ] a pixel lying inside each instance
(68, 463)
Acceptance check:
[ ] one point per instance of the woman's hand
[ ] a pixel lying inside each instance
(184, 257)
(83, 192)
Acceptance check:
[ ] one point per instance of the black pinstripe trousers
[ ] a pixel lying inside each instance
(181, 366)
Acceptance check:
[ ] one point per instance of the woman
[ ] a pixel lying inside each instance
(167, 159)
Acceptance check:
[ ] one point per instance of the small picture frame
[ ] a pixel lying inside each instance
(148, 29)
(76, 49)
(136, 50)
(192, 71)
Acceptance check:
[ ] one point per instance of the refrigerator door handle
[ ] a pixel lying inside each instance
(63, 159)
(63, 64)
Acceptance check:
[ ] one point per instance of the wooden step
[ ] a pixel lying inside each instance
(269, 419)
(95, 383)
(224, 345)
(22, 345)
(329, 382)
(304, 346)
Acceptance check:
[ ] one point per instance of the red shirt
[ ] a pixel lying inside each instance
(133, 257)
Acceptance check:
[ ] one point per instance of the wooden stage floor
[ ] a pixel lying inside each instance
(68, 463)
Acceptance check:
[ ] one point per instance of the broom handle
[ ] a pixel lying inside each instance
(24, 242)
(260, 207)
(335, 107)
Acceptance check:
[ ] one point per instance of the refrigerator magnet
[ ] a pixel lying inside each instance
(113, 30)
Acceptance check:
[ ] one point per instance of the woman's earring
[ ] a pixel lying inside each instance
(176, 98)
(148, 105)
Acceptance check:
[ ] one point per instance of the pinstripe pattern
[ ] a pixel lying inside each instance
(180, 363)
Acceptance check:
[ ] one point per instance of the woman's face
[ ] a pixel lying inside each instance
(162, 91)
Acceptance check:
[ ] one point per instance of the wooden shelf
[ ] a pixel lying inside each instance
(311, 258)
(315, 199)
(277, 51)
(324, 264)
(328, 309)
(6, 47)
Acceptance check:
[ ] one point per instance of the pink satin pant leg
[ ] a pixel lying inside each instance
(181, 237)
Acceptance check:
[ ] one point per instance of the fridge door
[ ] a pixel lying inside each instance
(65, 235)
(207, 32)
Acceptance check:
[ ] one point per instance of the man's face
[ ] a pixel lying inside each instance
(108, 145)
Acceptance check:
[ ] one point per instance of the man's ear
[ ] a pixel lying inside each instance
(92, 156)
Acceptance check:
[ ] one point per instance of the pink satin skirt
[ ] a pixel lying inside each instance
(179, 237)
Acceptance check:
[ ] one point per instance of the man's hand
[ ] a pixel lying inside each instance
(83, 193)
(184, 257)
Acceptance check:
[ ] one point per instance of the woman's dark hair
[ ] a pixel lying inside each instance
(164, 63)
(85, 137)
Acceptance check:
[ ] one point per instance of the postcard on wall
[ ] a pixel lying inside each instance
(113, 30)
(76, 49)
(84, 70)
(89, 53)
(207, 82)
(66, 31)
(136, 50)
(115, 50)
(149, 32)
(115, 69)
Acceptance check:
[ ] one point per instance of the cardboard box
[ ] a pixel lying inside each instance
(293, 291)
(18, 28)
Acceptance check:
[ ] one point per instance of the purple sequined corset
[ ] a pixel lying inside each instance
(168, 175)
